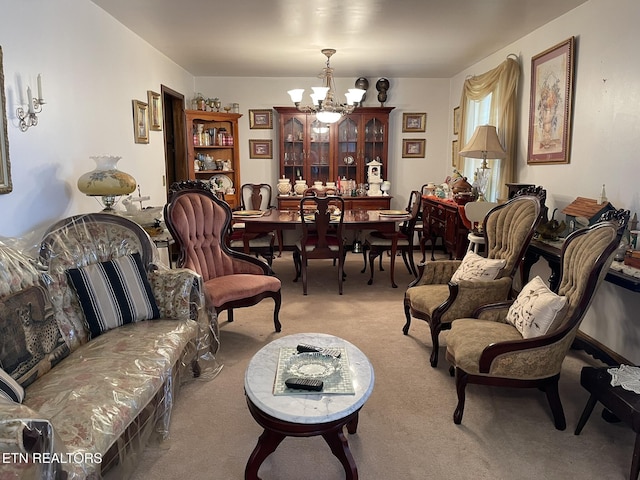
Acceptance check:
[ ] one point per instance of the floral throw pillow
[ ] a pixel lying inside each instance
(535, 309)
(475, 267)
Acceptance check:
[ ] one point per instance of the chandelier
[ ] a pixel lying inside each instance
(325, 106)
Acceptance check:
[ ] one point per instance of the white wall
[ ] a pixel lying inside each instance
(92, 68)
(606, 125)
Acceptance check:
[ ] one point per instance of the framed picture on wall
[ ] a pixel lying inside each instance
(455, 149)
(550, 104)
(413, 148)
(456, 120)
(5, 165)
(155, 111)
(140, 122)
(260, 148)
(260, 119)
(414, 122)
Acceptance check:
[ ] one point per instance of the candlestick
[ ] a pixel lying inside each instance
(29, 100)
(40, 88)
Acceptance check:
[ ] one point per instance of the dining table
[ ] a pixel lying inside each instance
(384, 221)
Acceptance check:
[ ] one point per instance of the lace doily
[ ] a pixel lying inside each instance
(626, 376)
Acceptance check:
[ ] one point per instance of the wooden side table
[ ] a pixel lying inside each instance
(624, 404)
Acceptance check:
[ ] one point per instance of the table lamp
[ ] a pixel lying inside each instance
(106, 181)
(483, 144)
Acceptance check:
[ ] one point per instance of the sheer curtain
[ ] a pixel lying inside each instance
(490, 99)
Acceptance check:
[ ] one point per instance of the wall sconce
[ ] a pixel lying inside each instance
(30, 117)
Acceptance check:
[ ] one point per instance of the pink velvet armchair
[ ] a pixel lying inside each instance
(199, 223)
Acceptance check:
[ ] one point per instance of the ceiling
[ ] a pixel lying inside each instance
(283, 38)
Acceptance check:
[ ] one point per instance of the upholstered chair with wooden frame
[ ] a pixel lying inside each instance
(436, 299)
(376, 243)
(254, 197)
(199, 223)
(322, 235)
(493, 349)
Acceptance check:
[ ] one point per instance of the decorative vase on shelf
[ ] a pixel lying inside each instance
(284, 186)
(106, 180)
(300, 187)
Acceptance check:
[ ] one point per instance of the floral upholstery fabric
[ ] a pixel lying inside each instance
(100, 390)
(88, 417)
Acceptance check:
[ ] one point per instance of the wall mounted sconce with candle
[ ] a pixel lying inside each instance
(30, 117)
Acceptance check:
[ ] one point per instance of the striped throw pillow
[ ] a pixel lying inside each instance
(9, 388)
(114, 293)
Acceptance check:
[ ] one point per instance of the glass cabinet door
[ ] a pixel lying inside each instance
(347, 161)
(293, 148)
(319, 159)
(375, 143)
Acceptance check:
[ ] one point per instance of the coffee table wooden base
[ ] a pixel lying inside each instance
(276, 430)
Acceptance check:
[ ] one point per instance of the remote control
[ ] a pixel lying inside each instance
(305, 348)
(300, 383)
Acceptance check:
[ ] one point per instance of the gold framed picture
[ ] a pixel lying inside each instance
(260, 119)
(155, 111)
(456, 120)
(140, 122)
(260, 148)
(414, 122)
(455, 149)
(550, 104)
(413, 147)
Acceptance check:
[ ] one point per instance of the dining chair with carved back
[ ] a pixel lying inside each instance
(376, 243)
(322, 220)
(255, 198)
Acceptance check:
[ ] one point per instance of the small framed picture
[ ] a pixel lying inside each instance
(261, 119)
(140, 122)
(155, 111)
(455, 148)
(260, 148)
(456, 120)
(414, 122)
(413, 148)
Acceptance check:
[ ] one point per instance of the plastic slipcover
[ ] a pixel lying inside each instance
(111, 396)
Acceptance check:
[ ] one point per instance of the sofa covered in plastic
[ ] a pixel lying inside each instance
(92, 401)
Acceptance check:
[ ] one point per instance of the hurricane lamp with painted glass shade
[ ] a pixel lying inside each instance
(325, 105)
(106, 181)
(484, 143)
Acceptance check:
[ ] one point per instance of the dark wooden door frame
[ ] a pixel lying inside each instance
(175, 146)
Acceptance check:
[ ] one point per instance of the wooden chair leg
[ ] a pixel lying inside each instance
(553, 397)
(407, 314)
(462, 378)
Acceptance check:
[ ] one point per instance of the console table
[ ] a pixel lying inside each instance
(551, 253)
(445, 219)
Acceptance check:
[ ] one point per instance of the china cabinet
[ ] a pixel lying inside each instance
(319, 152)
(213, 151)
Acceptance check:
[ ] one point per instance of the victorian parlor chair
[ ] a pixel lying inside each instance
(254, 198)
(322, 235)
(444, 292)
(199, 223)
(523, 342)
(376, 243)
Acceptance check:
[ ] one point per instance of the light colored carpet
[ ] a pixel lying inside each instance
(406, 429)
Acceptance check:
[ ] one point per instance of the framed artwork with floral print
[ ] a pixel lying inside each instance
(550, 104)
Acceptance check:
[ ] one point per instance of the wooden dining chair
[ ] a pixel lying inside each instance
(254, 197)
(322, 235)
(376, 243)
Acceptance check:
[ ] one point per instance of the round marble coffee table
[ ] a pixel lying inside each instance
(305, 415)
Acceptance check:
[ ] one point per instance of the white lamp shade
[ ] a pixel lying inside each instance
(357, 94)
(484, 144)
(328, 117)
(296, 94)
(320, 92)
